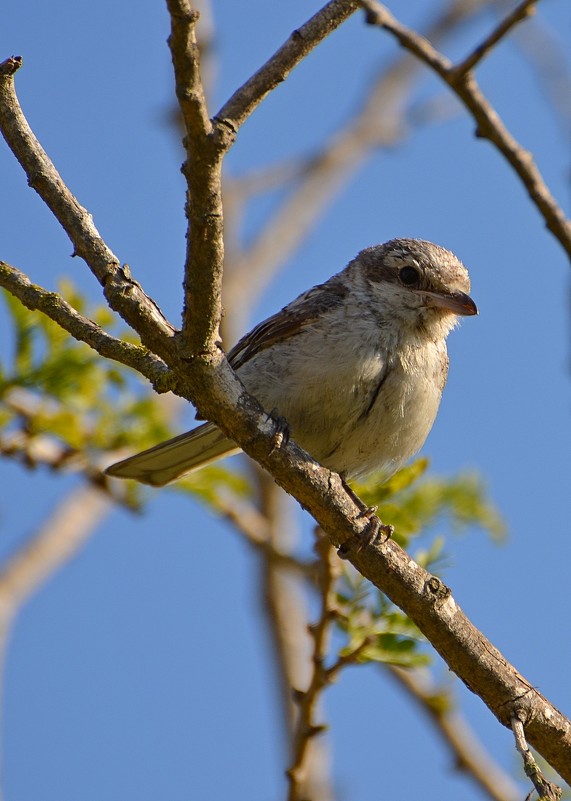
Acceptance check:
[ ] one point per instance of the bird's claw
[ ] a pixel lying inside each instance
(281, 432)
(374, 532)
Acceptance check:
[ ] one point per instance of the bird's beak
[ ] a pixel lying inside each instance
(455, 302)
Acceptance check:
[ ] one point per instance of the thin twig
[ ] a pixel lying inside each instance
(307, 727)
(284, 610)
(35, 450)
(32, 448)
(347, 659)
(547, 55)
(546, 790)
(254, 527)
(524, 10)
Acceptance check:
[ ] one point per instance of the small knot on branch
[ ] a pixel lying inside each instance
(11, 65)
(376, 14)
(437, 589)
(182, 10)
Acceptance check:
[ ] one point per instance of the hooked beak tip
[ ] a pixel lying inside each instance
(455, 302)
(469, 307)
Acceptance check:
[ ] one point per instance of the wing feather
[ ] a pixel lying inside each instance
(290, 321)
(169, 460)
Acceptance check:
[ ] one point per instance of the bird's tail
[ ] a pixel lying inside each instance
(172, 459)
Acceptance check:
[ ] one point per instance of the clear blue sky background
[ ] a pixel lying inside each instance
(139, 672)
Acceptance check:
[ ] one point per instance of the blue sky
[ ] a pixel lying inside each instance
(134, 672)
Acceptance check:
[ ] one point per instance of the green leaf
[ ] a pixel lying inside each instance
(207, 483)
(374, 627)
(412, 502)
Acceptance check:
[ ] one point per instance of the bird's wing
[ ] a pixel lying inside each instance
(171, 459)
(290, 321)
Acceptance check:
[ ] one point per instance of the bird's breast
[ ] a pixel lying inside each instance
(356, 404)
(397, 423)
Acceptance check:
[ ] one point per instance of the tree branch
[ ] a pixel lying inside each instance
(301, 42)
(37, 298)
(546, 790)
(205, 146)
(254, 527)
(429, 603)
(123, 293)
(32, 448)
(186, 62)
(521, 12)
(547, 56)
(307, 728)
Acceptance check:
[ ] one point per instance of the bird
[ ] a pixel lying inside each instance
(356, 366)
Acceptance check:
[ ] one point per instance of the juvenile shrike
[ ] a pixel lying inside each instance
(356, 366)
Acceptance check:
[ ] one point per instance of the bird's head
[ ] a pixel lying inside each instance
(418, 283)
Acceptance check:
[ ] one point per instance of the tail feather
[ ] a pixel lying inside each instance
(172, 459)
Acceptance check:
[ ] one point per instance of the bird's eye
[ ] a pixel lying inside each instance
(409, 275)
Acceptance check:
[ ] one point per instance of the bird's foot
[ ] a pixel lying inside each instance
(281, 431)
(374, 532)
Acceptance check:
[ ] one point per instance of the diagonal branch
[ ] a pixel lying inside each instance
(37, 298)
(301, 42)
(123, 293)
(521, 12)
(484, 670)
